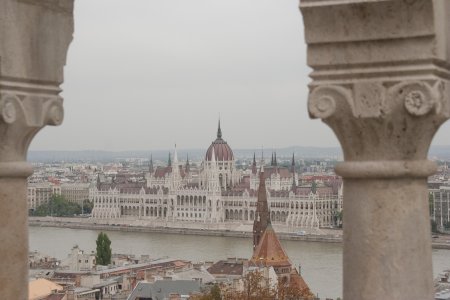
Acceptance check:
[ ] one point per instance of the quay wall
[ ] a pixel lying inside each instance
(191, 228)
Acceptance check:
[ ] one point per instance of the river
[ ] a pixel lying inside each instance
(321, 263)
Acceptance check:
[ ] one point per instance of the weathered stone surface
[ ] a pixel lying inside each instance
(34, 37)
(381, 73)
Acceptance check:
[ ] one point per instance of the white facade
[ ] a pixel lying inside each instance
(78, 260)
(171, 194)
(41, 193)
(75, 192)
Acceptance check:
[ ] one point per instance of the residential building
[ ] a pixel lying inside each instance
(41, 193)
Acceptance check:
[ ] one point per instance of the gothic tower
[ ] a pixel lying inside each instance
(262, 215)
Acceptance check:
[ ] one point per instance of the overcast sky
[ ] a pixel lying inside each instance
(145, 74)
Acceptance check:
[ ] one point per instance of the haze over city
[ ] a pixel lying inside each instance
(187, 166)
(147, 74)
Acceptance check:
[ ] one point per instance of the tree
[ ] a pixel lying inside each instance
(103, 254)
(212, 294)
(87, 206)
(255, 287)
(57, 206)
(215, 293)
(434, 228)
(340, 218)
(431, 203)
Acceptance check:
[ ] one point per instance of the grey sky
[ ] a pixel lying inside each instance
(145, 74)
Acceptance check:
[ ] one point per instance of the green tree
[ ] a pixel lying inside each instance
(103, 254)
(431, 203)
(434, 228)
(340, 218)
(87, 206)
(57, 206)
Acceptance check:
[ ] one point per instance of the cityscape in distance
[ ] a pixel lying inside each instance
(190, 197)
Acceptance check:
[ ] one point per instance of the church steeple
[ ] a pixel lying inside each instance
(219, 131)
(169, 162)
(262, 215)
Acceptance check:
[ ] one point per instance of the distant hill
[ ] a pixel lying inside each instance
(439, 152)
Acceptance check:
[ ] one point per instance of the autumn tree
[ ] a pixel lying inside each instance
(103, 254)
(212, 294)
(255, 287)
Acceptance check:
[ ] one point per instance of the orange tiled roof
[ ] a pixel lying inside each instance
(269, 251)
(297, 282)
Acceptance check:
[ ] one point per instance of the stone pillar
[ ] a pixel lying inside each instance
(34, 36)
(380, 75)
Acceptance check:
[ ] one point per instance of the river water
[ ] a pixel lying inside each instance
(321, 263)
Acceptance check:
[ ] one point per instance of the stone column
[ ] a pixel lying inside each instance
(34, 36)
(380, 75)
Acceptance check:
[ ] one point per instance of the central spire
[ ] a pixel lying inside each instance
(219, 131)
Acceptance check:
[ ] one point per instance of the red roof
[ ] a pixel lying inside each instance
(283, 171)
(222, 151)
(269, 251)
(162, 171)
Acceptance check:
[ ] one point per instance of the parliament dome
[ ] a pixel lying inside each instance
(222, 150)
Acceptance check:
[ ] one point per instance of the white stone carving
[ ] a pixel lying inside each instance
(381, 72)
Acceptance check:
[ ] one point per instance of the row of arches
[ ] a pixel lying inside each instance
(245, 215)
(192, 200)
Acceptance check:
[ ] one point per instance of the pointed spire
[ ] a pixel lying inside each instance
(294, 183)
(169, 163)
(271, 161)
(175, 156)
(275, 159)
(262, 215)
(187, 167)
(150, 164)
(219, 131)
(293, 164)
(262, 161)
(254, 164)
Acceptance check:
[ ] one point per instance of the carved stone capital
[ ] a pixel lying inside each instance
(25, 108)
(381, 72)
(368, 115)
(383, 121)
(34, 38)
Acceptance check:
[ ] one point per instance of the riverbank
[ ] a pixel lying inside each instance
(238, 230)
